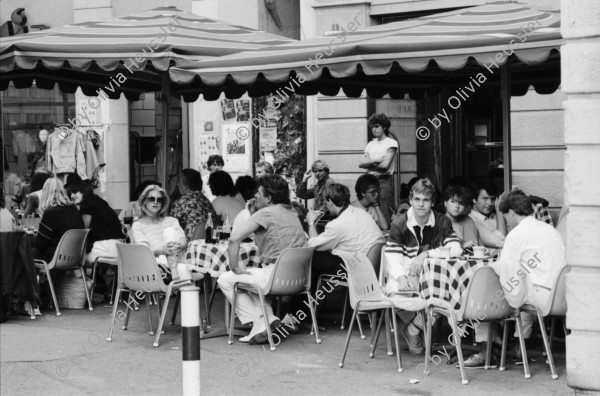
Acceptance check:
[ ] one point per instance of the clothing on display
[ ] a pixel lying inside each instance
(76, 151)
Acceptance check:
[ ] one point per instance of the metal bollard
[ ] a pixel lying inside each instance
(190, 329)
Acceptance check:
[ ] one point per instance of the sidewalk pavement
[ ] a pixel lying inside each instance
(69, 355)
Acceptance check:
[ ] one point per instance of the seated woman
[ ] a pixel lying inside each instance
(162, 234)
(60, 215)
(33, 199)
(246, 185)
(228, 202)
(100, 218)
(276, 227)
(132, 209)
(457, 201)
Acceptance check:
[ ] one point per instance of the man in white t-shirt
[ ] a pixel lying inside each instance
(352, 230)
(379, 159)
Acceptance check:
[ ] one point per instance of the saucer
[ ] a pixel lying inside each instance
(470, 256)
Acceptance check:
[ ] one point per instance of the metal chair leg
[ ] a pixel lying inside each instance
(207, 280)
(362, 335)
(114, 314)
(266, 318)
(313, 314)
(51, 284)
(148, 298)
(523, 349)
(163, 313)
(458, 344)
(389, 328)
(429, 325)
(547, 345)
(232, 313)
(341, 363)
(87, 291)
(398, 358)
(344, 313)
(377, 332)
(504, 342)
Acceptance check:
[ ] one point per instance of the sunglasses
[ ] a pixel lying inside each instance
(374, 191)
(159, 200)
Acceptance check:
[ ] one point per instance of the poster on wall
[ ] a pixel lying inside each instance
(242, 109)
(227, 109)
(236, 147)
(207, 144)
(268, 138)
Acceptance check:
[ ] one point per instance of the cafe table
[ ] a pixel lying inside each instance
(17, 271)
(215, 259)
(447, 279)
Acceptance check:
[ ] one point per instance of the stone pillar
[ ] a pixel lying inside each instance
(581, 83)
(87, 110)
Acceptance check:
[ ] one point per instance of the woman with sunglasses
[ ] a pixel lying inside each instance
(155, 229)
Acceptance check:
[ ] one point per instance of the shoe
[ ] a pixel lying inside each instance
(477, 361)
(263, 337)
(517, 356)
(415, 344)
(289, 324)
(245, 339)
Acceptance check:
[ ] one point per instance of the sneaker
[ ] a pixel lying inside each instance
(290, 324)
(415, 344)
(517, 356)
(477, 361)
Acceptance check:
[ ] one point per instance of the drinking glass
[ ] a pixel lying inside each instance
(30, 222)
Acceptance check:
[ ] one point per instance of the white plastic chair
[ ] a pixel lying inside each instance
(556, 309)
(374, 256)
(69, 255)
(483, 300)
(366, 295)
(410, 299)
(291, 276)
(139, 272)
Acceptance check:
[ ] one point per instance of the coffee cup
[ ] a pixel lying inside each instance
(480, 251)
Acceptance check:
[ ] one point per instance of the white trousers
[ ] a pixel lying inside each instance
(248, 307)
(106, 248)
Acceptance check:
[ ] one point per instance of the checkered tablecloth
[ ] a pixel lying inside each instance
(448, 279)
(216, 258)
(541, 213)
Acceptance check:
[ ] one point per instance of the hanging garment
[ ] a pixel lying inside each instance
(66, 153)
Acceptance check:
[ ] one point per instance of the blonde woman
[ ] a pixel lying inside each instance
(155, 229)
(60, 215)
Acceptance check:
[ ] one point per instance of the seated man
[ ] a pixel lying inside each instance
(419, 232)
(532, 258)
(321, 172)
(353, 230)
(489, 221)
(456, 201)
(192, 208)
(368, 192)
(276, 227)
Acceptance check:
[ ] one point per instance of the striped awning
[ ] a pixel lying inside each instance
(396, 58)
(141, 47)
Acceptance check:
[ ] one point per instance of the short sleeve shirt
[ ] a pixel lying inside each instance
(377, 149)
(279, 229)
(105, 222)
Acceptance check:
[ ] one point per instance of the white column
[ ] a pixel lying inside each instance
(581, 82)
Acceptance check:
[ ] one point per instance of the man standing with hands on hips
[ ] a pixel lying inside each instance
(379, 159)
